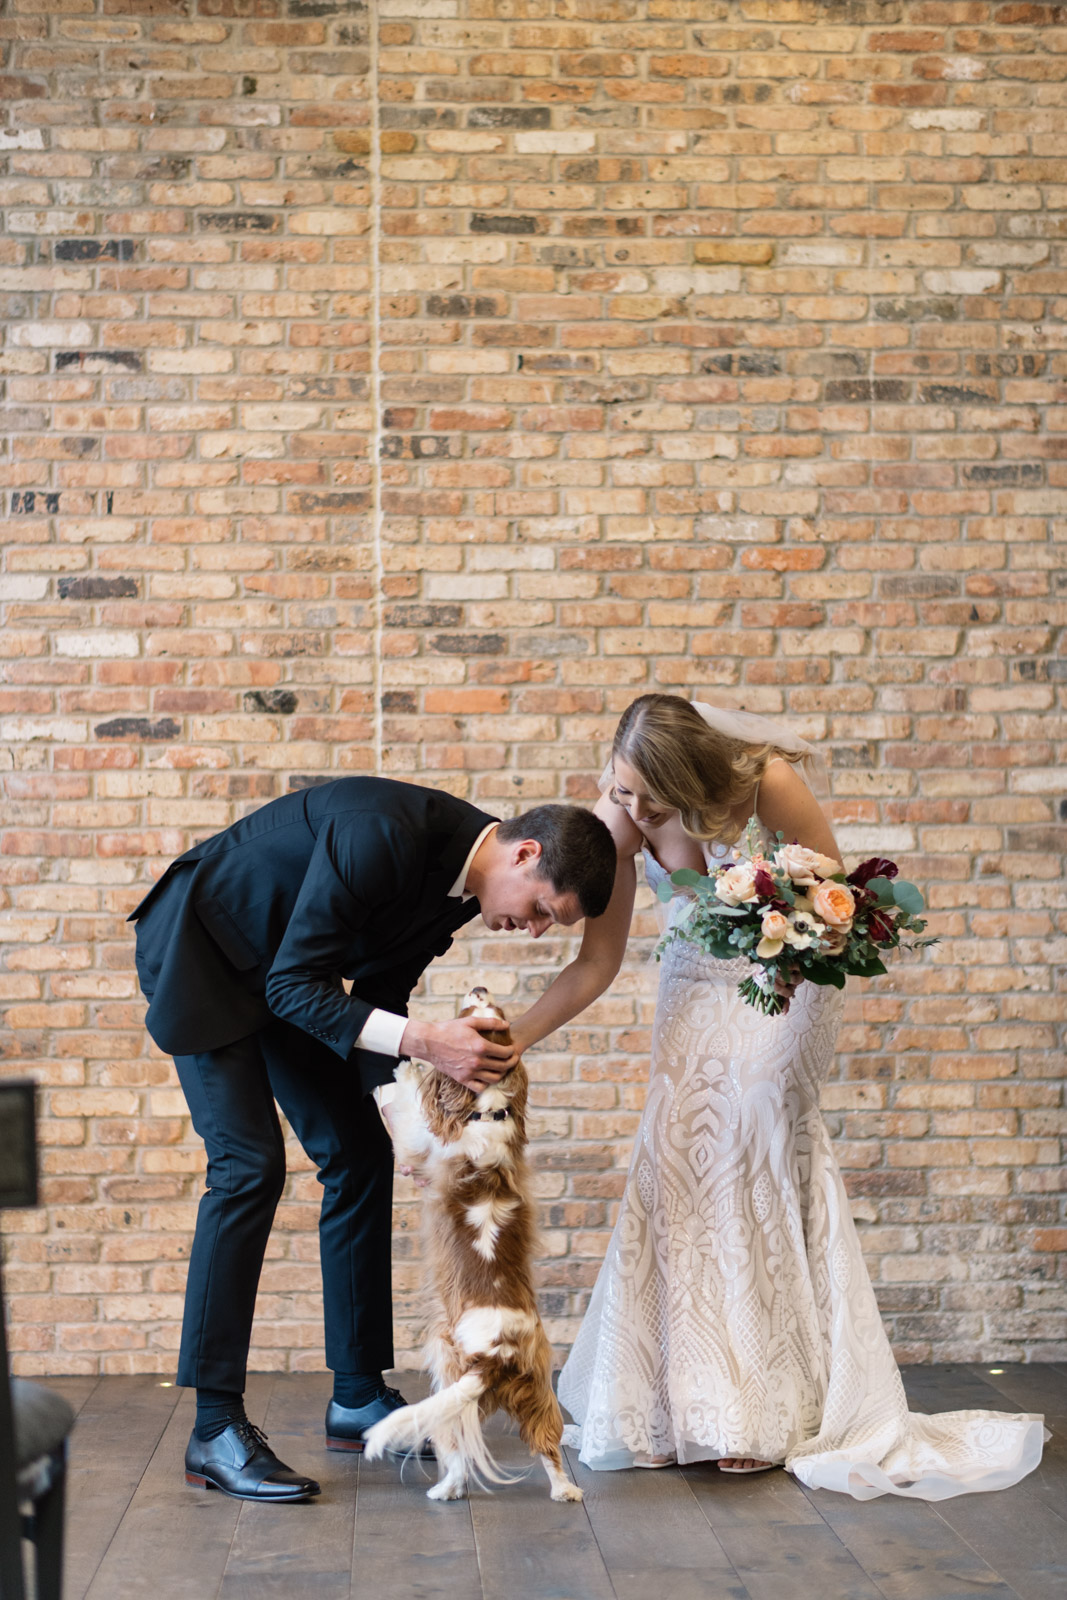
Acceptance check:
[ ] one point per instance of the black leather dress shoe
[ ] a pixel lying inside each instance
(346, 1426)
(240, 1463)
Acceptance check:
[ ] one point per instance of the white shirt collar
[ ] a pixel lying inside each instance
(458, 889)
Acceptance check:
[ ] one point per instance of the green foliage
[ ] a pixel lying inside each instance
(907, 897)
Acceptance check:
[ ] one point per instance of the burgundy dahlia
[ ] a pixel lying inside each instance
(876, 867)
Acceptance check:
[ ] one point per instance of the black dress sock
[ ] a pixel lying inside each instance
(354, 1389)
(215, 1410)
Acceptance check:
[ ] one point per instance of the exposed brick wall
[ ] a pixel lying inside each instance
(406, 390)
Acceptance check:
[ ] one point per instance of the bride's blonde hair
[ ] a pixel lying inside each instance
(691, 767)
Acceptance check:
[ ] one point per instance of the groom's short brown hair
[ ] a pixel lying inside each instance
(577, 852)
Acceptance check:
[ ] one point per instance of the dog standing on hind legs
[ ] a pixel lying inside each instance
(487, 1347)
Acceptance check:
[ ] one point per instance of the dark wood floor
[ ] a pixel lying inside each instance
(137, 1532)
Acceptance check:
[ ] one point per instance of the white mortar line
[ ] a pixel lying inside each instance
(378, 569)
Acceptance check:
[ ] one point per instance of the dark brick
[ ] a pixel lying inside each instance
(920, 586)
(741, 364)
(34, 502)
(957, 394)
(556, 361)
(509, 117)
(1005, 364)
(325, 8)
(241, 221)
(421, 117)
(866, 390)
(464, 91)
(98, 588)
(1006, 472)
(93, 250)
(604, 391)
(553, 1303)
(880, 1183)
(282, 702)
(416, 616)
(402, 700)
(932, 309)
(1047, 840)
(132, 360)
(138, 728)
(339, 388)
(308, 501)
(906, 1297)
(309, 780)
(420, 447)
(547, 643)
(466, 305)
(482, 222)
(468, 644)
(855, 755)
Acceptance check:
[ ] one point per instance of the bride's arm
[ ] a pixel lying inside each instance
(786, 805)
(603, 943)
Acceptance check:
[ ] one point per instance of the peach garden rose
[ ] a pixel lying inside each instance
(774, 928)
(834, 904)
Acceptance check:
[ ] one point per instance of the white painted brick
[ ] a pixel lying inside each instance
(961, 282)
(551, 142)
(23, 730)
(97, 645)
(69, 335)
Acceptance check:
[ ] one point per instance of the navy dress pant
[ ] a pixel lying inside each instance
(231, 1093)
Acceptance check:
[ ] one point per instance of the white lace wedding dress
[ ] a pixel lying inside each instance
(733, 1314)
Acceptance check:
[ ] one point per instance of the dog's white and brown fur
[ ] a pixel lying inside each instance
(487, 1346)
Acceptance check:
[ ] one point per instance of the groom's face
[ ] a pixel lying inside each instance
(515, 896)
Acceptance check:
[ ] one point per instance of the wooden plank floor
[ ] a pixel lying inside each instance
(136, 1531)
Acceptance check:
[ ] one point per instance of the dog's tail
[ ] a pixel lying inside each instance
(451, 1420)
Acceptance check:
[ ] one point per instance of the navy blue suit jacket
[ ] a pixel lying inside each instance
(347, 879)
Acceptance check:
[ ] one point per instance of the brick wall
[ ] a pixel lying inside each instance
(406, 388)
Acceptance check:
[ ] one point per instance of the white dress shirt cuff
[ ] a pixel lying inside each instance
(382, 1033)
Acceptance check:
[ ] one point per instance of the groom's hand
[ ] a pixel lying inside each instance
(460, 1050)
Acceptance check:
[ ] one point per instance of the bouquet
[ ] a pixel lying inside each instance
(796, 915)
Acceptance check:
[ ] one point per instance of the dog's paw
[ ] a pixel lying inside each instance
(447, 1491)
(567, 1491)
(374, 1442)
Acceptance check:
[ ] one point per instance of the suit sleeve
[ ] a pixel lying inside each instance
(361, 862)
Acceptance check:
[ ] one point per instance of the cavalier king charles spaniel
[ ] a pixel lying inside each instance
(487, 1347)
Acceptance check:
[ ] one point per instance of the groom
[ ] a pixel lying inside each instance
(242, 949)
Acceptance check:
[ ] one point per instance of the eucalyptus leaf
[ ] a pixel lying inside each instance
(665, 891)
(686, 878)
(908, 897)
(883, 888)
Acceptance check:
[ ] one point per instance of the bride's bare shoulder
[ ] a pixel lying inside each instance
(785, 804)
(628, 837)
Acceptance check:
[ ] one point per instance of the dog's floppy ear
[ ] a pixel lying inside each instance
(515, 1085)
(445, 1105)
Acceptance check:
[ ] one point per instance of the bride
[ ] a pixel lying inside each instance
(733, 1319)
